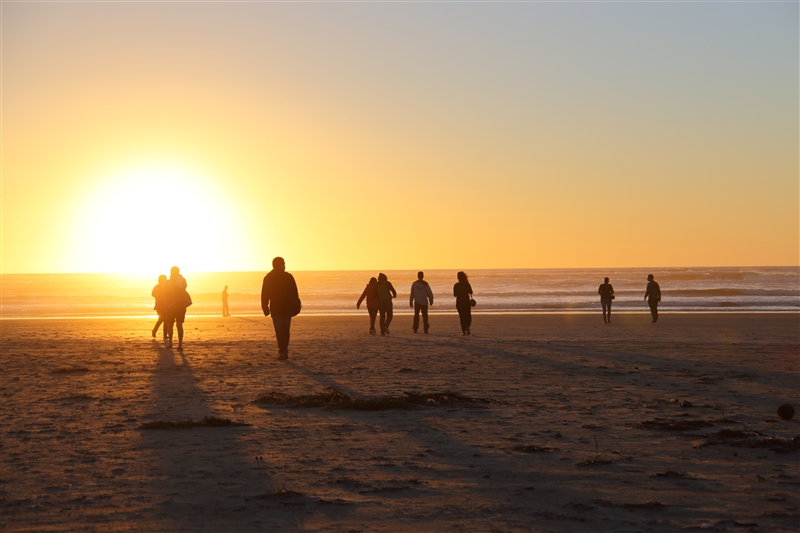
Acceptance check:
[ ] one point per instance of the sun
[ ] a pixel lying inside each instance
(148, 219)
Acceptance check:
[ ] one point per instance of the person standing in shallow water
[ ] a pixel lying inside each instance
(463, 293)
(653, 296)
(177, 302)
(225, 310)
(606, 292)
(279, 298)
(385, 292)
(420, 295)
(160, 294)
(371, 294)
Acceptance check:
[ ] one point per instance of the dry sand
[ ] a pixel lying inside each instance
(561, 448)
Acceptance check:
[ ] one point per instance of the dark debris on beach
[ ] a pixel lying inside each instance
(334, 399)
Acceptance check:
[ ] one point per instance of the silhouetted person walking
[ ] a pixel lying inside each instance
(421, 294)
(279, 298)
(160, 294)
(463, 293)
(385, 292)
(606, 292)
(177, 301)
(653, 296)
(371, 294)
(225, 310)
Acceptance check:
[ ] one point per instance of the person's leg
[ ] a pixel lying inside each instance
(425, 324)
(605, 307)
(469, 318)
(653, 310)
(415, 327)
(179, 326)
(382, 311)
(168, 324)
(609, 311)
(462, 317)
(282, 325)
(389, 315)
(373, 313)
(158, 323)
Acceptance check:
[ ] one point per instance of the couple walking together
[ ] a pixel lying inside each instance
(172, 299)
(379, 293)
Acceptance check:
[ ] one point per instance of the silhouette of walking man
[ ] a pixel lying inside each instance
(606, 292)
(385, 292)
(225, 310)
(280, 299)
(421, 294)
(653, 296)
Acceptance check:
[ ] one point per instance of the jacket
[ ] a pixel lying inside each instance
(371, 294)
(421, 292)
(279, 294)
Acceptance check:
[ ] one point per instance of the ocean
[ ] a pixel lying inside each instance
(560, 290)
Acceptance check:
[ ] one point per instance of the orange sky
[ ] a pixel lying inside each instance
(358, 136)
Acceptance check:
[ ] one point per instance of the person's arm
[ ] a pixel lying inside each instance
(647, 292)
(455, 290)
(469, 290)
(265, 295)
(430, 293)
(361, 299)
(391, 289)
(600, 290)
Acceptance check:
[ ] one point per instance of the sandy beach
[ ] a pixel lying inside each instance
(574, 425)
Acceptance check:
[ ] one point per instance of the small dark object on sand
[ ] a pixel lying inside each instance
(786, 411)
(686, 403)
(535, 449)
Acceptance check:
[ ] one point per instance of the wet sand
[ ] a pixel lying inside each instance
(588, 427)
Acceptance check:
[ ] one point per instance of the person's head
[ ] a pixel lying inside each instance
(373, 280)
(605, 280)
(174, 271)
(462, 277)
(226, 287)
(278, 263)
(162, 278)
(420, 275)
(650, 277)
(382, 277)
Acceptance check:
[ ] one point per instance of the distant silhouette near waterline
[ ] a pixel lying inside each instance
(178, 300)
(160, 294)
(280, 298)
(463, 293)
(385, 292)
(225, 310)
(606, 292)
(421, 294)
(371, 295)
(653, 296)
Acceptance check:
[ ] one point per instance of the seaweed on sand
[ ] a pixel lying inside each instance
(535, 449)
(748, 438)
(206, 422)
(681, 425)
(334, 399)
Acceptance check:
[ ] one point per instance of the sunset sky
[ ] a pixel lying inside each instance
(398, 135)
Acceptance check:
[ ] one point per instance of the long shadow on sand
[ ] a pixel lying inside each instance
(203, 479)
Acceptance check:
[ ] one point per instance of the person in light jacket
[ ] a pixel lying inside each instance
(421, 294)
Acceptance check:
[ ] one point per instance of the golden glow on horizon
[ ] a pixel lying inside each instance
(137, 136)
(145, 220)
